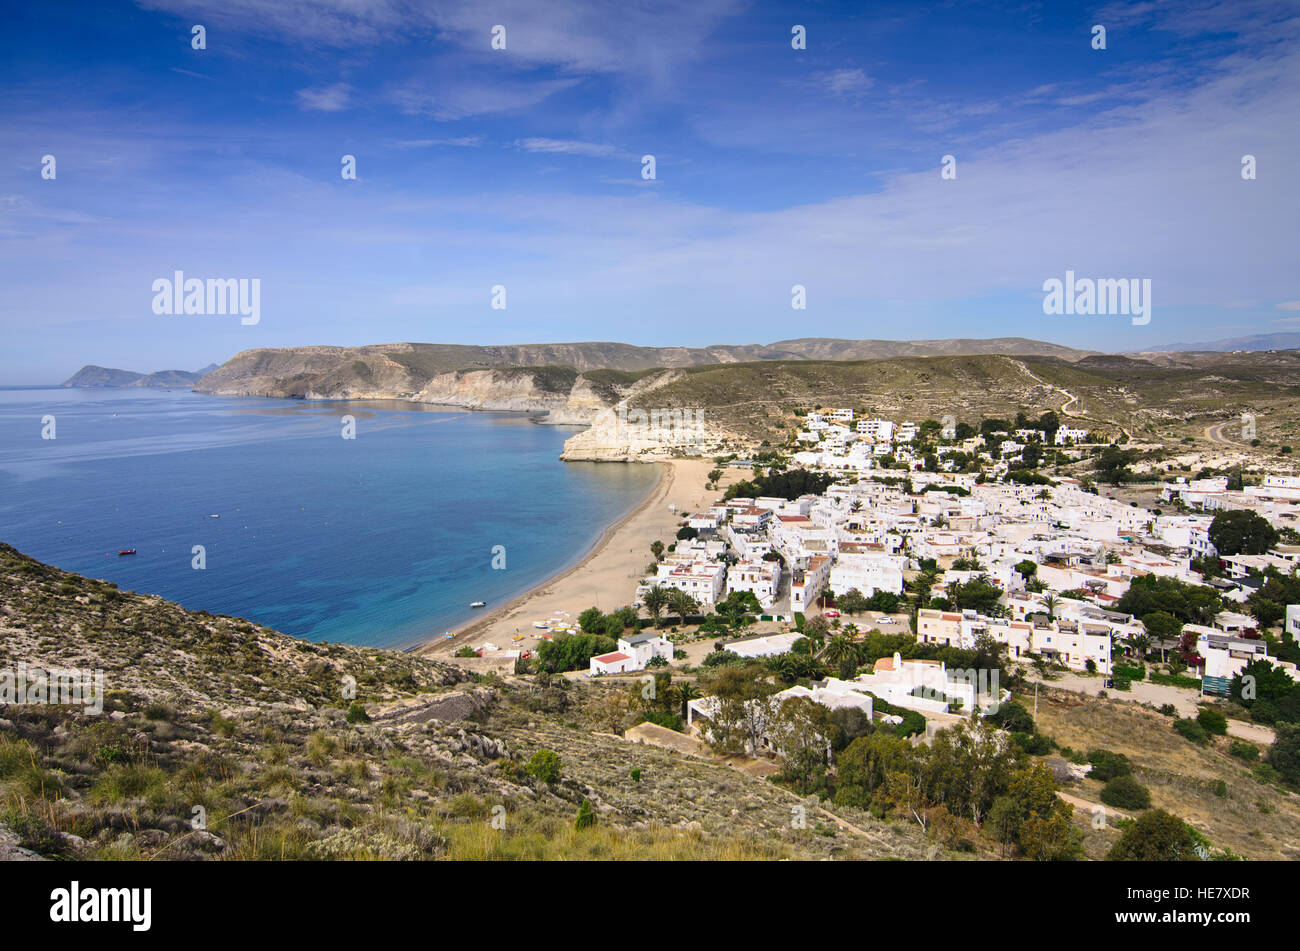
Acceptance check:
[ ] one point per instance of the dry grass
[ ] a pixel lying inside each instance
(1256, 820)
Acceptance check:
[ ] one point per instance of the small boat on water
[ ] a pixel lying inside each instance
(478, 604)
(126, 551)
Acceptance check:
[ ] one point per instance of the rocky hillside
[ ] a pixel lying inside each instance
(736, 404)
(221, 739)
(106, 377)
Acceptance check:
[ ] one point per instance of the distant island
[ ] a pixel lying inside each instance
(106, 377)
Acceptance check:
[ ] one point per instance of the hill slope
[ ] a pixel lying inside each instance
(218, 717)
(106, 377)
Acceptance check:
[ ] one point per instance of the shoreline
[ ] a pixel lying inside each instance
(606, 574)
(468, 629)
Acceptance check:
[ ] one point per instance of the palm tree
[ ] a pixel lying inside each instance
(1050, 602)
(686, 692)
(681, 603)
(838, 648)
(656, 599)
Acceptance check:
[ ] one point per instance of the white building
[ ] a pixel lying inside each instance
(702, 580)
(763, 578)
(769, 645)
(1067, 435)
(634, 652)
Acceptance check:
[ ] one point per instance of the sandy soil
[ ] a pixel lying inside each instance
(606, 578)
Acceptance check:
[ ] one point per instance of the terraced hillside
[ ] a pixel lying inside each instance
(221, 739)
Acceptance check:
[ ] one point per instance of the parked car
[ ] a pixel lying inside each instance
(831, 612)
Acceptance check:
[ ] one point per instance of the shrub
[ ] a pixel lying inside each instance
(1213, 721)
(1125, 792)
(1248, 752)
(1284, 754)
(1174, 680)
(1034, 744)
(1107, 765)
(667, 720)
(1219, 788)
(1012, 717)
(158, 711)
(1156, 836)
(357, 713)
(586, 818)
(544, 766)
(636, 774)
(1168, 709)
(223, 726)
(1192, 731)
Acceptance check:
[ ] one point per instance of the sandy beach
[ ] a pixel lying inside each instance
(608, 576)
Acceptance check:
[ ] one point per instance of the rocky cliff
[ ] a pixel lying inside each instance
(560, 394)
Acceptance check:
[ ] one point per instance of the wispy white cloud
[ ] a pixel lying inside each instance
(466, 97)
(333, 98)
(566, 147)
(458, 141)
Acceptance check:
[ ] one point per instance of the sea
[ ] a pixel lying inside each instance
(264, 508)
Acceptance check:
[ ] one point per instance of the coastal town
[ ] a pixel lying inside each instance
(932, 575)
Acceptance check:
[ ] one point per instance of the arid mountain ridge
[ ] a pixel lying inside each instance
(744, 395)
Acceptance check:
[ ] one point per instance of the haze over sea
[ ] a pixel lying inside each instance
(382, 540)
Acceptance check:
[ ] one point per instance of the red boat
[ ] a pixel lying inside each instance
(126, 551)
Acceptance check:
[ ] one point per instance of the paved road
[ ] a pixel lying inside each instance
(1215, 434)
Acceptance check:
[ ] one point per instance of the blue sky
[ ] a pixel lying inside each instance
(522, 167)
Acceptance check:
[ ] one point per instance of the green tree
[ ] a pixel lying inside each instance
(1242, 532)
(1213, 721)
(592, 621)
(544, 766)
(979, 594)
(656, 599)
(865, 765)
(1125, 792)
(1190, 603)
(1107, 765)
(1112, 465)
(1284, 754)
(1045, 832)
(686, 692)
(682, 604)
(801, 730)
(1156, 836)
(839, 649)
(852, 602)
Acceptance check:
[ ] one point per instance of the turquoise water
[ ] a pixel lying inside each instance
(381, 540)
